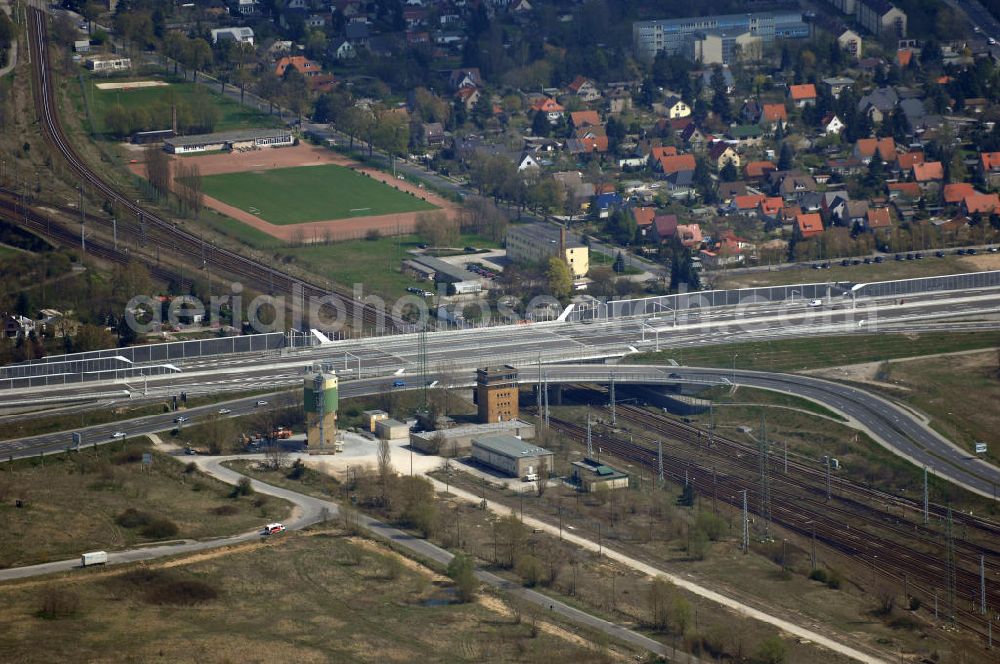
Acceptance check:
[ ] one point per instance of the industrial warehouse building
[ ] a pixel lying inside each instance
(241, 139)
(457, 441)
(458, 279)
(537, 243)
(512, 456)
(591, 475)
(390, 429)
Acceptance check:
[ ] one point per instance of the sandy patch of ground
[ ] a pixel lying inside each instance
(867, 372)
(130, 85)
(408, 563)
(314, 231)
(981, 262)
(497, 606)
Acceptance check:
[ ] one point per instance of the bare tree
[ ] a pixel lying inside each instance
(275, 454)
(385, 471)
(543, 476)
(157, 169)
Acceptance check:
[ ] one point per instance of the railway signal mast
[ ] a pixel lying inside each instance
(765, 479)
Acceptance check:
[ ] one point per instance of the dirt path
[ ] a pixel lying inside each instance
(314, 231)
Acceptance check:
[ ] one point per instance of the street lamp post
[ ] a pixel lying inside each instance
(735, 355)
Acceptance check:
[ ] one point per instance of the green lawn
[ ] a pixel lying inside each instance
(157, 102)
(375, 264)
(818, 352)
(309, 193)
(887, 271)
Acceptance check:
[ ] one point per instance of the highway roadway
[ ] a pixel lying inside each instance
(522, 345)
(899, 430)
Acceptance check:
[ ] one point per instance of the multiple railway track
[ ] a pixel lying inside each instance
(171, 237)
(872, 528)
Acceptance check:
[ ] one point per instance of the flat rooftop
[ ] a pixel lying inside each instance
(544, 234)
(445, 269)
(509, 446)
(227, 136)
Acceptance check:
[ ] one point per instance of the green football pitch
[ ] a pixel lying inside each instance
(309, 193)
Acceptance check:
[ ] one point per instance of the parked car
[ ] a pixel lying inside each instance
(414, 289)
(961, 252)
(868, 261)
(939, 253)
(918, 256)
(971, 252)
(470, 250)
(879, 259)
(899, 257)
(993, 250)
(845, 263)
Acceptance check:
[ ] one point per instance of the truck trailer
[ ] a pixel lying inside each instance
(94, 558)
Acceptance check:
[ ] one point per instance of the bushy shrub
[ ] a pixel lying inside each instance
(132, 518)
(58, 603)
(159, 528)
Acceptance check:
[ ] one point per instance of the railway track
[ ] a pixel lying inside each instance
(923, 573)
(184, 243)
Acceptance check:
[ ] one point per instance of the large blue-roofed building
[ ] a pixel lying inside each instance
(677, 35)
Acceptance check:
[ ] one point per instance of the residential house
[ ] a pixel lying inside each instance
(793, 186)
(359, 34)
(867, 148)
(881, 18)
(727, 78)
(550, 107)
(758, 170)
(605, 203)
(747, 206)
(433, 134)
(878, 219)
(770, 208)
(17, 326)
(928, 173)
(664, 227)
(669, 165)
(727, 191)
(802, 95)
(643, 217)
(848, 7)
(694, 137)
(689, 235)
(905, 161)
(988, 167)
(675, 107)
(832, 124)
(835, 85)
(983, 204)
(342, 49)
(527, 162)
(469, 97)
(914, 110)
(619, 101)
(833, 203)
(316, 79)
(853, 212)
(247, 7)
(878, 103)
(750, 111)
(721, 153)
(905, 191)
(587, 144)
(465, 78)
(746, 136)
(808, 225)
(850, 41)
(238, 35)
(580, 119)
(845, 167)
(585, 89)
(904, 56)
(955, 193)
(774, 114)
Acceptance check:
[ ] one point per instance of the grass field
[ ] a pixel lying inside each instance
(375, 264)
(960, 393)
(887, 271)
(309, 599)
(819, 352)
(309, 193)
(231, 114)
(73, 504)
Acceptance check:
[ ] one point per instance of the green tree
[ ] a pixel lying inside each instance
(460, 571)
(771, 651)
(560, 278)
